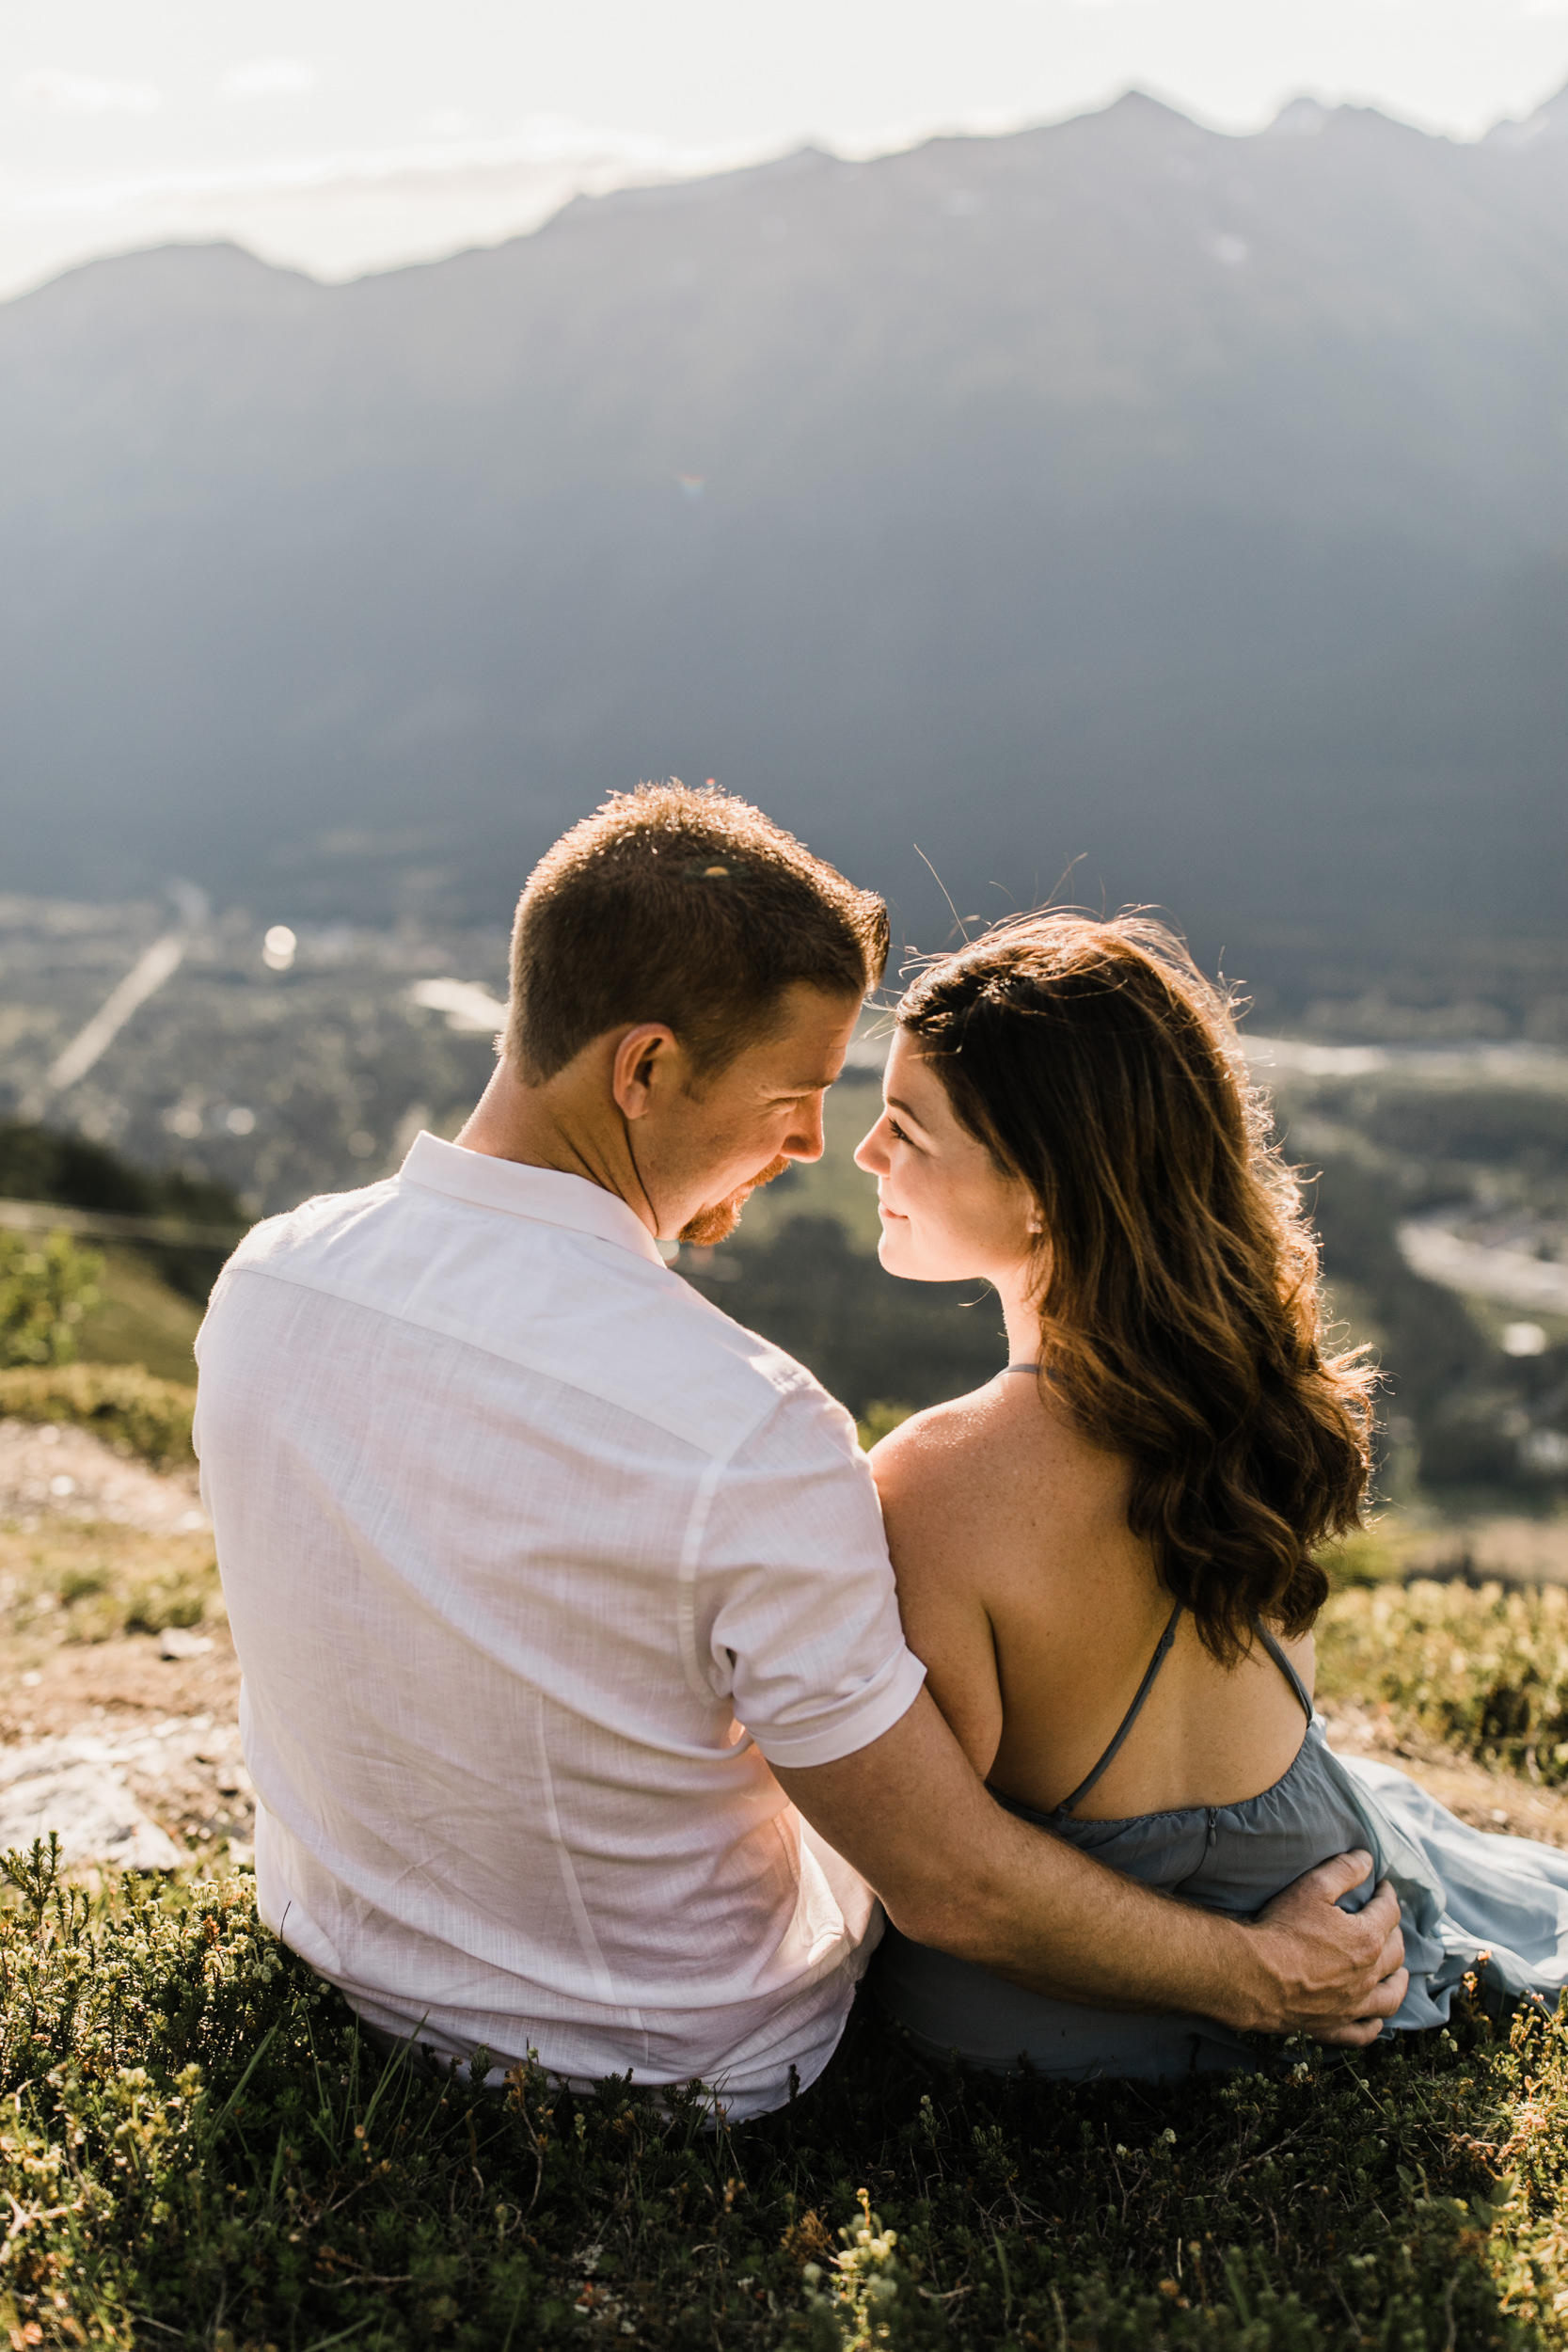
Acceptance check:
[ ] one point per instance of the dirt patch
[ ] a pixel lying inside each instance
(119, 1684)
(93, 1717)
(126, 1681)
(58, 1475)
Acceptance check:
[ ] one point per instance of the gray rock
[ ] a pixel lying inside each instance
(57, 1784)
(178, 1640)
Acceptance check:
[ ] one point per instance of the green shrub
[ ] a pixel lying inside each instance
(1485, 1670)
(1366, 1557)
(199, 2147)
(121, 1403)
(46, 1286)
(47, 1164)
(64, 1583)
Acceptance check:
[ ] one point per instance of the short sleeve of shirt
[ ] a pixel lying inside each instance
(796, 1611)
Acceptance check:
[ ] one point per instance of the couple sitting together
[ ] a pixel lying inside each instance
(603, 1701)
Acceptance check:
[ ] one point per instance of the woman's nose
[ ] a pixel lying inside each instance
(869, 1155)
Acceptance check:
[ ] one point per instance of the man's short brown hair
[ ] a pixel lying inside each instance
(688, 908)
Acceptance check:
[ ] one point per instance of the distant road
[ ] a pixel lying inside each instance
(1430, 1247)
(1468, 1062)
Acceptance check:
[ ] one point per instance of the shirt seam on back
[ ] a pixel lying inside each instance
(583, 1919)
(529, 1362)
(527, 1217)
(698, 1682)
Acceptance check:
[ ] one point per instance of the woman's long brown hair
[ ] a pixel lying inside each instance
(1180, 1322)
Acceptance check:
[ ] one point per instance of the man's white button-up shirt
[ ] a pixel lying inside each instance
(534, 1560)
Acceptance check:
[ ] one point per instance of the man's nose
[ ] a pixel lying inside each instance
(806, 1142)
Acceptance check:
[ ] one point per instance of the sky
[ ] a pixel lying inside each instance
(343, 135)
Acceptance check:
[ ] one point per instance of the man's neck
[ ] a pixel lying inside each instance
(554, 1127)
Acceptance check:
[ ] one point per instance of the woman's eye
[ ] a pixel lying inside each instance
(896, 1132)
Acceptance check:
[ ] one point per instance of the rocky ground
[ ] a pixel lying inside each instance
(119, 1690)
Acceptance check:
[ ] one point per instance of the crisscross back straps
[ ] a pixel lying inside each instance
(1166, 1638)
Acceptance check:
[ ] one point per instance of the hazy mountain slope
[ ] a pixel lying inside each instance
(1119, 490)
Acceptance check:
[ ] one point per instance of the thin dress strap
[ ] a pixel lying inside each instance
(1285, 1666)
(1166, 1638)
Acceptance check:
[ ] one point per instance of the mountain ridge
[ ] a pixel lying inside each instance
(1062, 494)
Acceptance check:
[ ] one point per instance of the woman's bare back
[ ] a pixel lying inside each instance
(1036, 1612)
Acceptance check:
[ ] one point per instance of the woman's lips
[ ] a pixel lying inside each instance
(883, 1210)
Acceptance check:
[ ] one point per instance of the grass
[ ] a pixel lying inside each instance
(140, 1319)
(1484, 1671)
(198, 2147)
(832, 1185)
(122, 1403)
(60, 1583)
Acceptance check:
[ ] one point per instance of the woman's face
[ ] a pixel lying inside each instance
(948, 1212)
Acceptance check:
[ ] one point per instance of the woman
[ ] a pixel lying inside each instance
(1106, 1557)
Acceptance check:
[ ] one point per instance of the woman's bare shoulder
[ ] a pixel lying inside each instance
(936, 1447)
(997, 1433)
(968, 1485)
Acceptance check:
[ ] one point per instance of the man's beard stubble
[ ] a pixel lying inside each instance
(718, 1220)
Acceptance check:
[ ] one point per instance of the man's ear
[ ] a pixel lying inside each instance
(642, 1058)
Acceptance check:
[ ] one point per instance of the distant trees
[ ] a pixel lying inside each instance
(46, 1164)
(47, 1284)
(877, 1343)
(1472, 1417)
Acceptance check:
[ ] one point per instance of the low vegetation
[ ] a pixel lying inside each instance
(47, 1286)
(43, 1164)
(60, 1583)
(804, 1283)
(140, 1319)
(1484, 1671)
(126, 1406)
(197, 2146)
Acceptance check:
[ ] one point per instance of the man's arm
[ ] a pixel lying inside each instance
(955, 1872)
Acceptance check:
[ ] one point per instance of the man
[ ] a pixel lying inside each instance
(575, 1696)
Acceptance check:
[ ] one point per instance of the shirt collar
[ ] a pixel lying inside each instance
(545, 1194)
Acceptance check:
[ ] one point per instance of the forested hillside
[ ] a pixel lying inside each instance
(1188, 504)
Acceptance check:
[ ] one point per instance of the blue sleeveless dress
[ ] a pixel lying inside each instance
(1462, 1892)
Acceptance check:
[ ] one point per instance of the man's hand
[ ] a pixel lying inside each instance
(1320, 1966)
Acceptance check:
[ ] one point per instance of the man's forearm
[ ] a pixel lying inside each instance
(1053, 1920)
(955, 1872)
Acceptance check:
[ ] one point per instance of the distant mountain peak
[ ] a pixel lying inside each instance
(1300, 119)
(1548, 123)
(1139, 105)
(1118, 486)
(208, 279)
